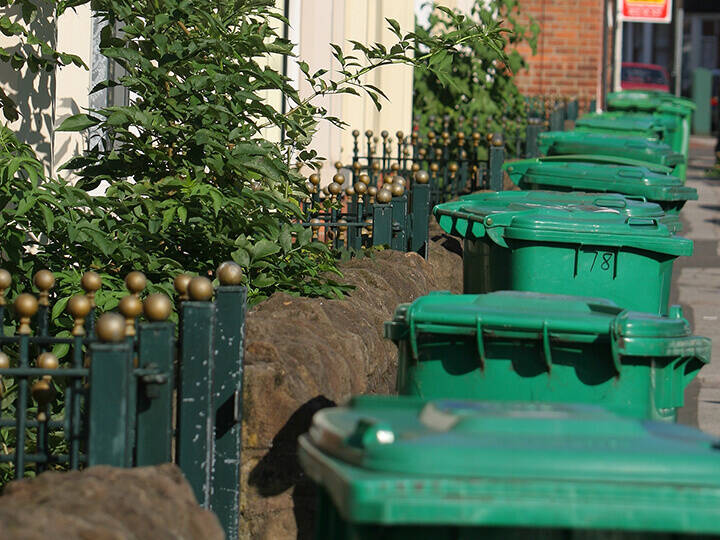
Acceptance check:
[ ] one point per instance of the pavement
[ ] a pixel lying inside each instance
(696, 284)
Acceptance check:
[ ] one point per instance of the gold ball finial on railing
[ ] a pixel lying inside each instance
(384, 196)
(349, 191)
(397, 190)
(43, 390)
(434, 167)
(44, 280)
(26, 305)
(47, 360)
(415, 167)
(91, 283)
(230, 273)
(315, 227)
(157, 307)
(181, 283)
(365, 179)
(422, 177)
(400, 180)
(130, 307)
(135, 282)
(110, 328)
(334, 189)
(338, 179)
(453, 168)
(369, 133)
(200, 289)
(360, 188)
(355, 133)
(79, 307)
(338, 165)
(314, 179)
(497, 139)
(5, 282)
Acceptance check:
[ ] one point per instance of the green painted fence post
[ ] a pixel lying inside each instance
(531, 138)
(399, 205)
(110, 377)
(155, 360)
(495, 162)
(230, 307)
(195, 403)
(382, 224)
(420, 214)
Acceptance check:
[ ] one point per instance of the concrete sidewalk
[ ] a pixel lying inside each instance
(696, 283)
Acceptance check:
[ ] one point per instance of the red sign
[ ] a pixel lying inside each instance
(657, 11)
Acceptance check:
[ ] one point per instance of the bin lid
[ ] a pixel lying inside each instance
(555, 143)
(401, 460)
(622, 121)
(587, 225)
(458, 215)
(592, 176)
(548, 318)
(602, 159)
(646, 100)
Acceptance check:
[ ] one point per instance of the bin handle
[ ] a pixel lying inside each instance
(635, 221)
(547, 355)
(610, 202)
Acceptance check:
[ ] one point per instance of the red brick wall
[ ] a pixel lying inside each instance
(569, 51)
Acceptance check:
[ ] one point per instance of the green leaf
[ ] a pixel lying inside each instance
(264, 248)
(78, 122)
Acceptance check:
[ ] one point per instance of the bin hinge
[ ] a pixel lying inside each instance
(546, 346)
(480, 342)
(614, 351)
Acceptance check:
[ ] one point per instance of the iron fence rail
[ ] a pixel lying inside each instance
(129, 392)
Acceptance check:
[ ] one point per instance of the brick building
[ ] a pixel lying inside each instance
(569, 50)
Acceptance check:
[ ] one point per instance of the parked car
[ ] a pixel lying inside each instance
(636, 76)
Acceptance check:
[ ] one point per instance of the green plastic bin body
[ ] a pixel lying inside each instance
(574, 250)
(519, 346)
(580, 173)
(400, 468)
(564, 143)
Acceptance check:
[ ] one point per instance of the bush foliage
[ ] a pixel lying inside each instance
(191, 179)
(479, 82)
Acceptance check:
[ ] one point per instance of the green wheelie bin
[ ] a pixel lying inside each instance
(402, 468)
(655, 102)
(521, 346)
(561, 143)
(659, 126)
(577, 250)
(597, 174)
